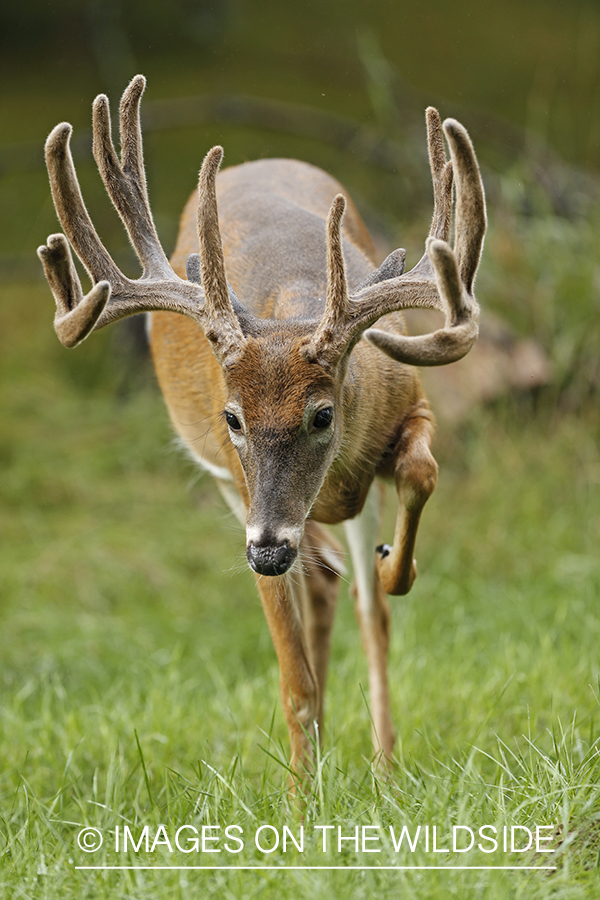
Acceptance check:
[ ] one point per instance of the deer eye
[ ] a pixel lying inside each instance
(232, 421)
(323, 417)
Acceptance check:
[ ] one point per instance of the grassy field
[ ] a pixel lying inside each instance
(139, 686)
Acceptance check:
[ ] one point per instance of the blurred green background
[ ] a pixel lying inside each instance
(525, 76)
(125, 599)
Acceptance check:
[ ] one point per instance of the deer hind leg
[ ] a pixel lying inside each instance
(322, 563)
(415, 475)
(373, 614)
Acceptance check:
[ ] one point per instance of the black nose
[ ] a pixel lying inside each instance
(270, 559)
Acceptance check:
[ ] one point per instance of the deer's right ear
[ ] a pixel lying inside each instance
(193, 273)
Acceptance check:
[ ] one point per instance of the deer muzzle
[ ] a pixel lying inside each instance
(270, 557)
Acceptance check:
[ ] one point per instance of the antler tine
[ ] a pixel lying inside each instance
(335, 314)
(125, 181)
(76, 315)
(441, 180)
(70, 207)
(220, 323)
(441, 176)
(130, 131)
(336, 304)
(470, 217)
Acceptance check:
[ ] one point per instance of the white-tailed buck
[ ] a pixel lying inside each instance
(266, 374)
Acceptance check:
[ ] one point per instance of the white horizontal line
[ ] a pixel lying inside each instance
(330, 868)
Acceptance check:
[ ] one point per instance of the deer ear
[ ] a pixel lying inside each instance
(391, 267)
(193, 273)
(192, 268)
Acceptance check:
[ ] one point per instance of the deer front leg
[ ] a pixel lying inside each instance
(283, 602)
(373, 614)
(415, 475)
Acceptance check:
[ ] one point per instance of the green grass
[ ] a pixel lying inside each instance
(139, 686)
(138, 682)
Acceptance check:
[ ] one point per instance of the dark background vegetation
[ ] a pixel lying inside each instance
(341, 85)
(526, 76)
(125, 602)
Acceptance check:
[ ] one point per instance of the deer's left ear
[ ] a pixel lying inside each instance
(391, 267)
